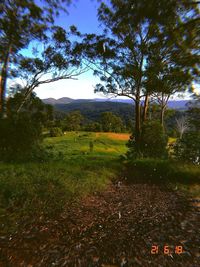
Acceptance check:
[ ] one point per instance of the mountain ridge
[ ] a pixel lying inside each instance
(174, 104)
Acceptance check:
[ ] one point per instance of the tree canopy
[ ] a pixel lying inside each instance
(147, 47)
(23, 22)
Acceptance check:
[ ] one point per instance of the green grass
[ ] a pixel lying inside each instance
(177, 175)
(71, 171)
(76, 143)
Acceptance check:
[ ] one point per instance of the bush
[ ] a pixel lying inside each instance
(55, 132)
(93, 127)
(153, 142)
(188, 148)
(20, 138)
(161, 171)
(148, 169)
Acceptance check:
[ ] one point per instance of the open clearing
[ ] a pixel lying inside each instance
(116, 136)
(75, 211)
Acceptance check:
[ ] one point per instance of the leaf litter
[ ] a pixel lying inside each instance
(117, 227)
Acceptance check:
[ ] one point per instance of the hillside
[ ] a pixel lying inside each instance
(53, 101)
(92, 110)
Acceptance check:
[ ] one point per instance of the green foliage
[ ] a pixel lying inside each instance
(33, 106)
(55, 132)
(92, 111)
(23, 22)
(111, 123)
(187, 148)
(161, 171)
(20, 138)
(147, 47)
(153, 142)
(152, 170)
(93, 127)
(73, 121)
(43, 188)
(75, 144)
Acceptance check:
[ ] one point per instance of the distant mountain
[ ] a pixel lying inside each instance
(53, 101)
(61, 102)
(92, 109)
(178, 104)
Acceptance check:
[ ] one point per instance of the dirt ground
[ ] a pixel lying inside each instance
(117, 227)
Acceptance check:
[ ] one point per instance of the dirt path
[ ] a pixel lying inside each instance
(115, 228)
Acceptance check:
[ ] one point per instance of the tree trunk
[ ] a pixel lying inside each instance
(162, 113)
(137, 122)
(145, 108)
(26, 96)
(3, 79)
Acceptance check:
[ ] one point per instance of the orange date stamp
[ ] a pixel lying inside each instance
(167, 250)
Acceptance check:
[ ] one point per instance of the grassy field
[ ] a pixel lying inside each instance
(72, 170)
(38, 199)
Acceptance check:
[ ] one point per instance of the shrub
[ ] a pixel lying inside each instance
(153, 142)
(148, 169)
(20, 138)
(93, 127)
(55, 132)
(188, 147)
(161, 171)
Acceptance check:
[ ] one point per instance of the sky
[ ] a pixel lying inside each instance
(82, 14)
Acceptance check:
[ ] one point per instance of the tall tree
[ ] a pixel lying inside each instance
(110, 122)
(57, 61)
(22, 21)
(127, 56)
(73, 121)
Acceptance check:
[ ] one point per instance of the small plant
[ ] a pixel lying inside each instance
(91, 145)
(55, 132)
(20, 138)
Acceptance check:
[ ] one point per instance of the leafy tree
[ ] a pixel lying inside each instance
(73, 121)
(20, 138)
(21, 133)
(55, 132)
(56, 62)
(34, 107)
(110, 122)
(93, 127)
(147, 46)
(21, 22)
(153, 141)
(187, 147)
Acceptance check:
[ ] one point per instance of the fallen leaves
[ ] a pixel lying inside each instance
(113, 228)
